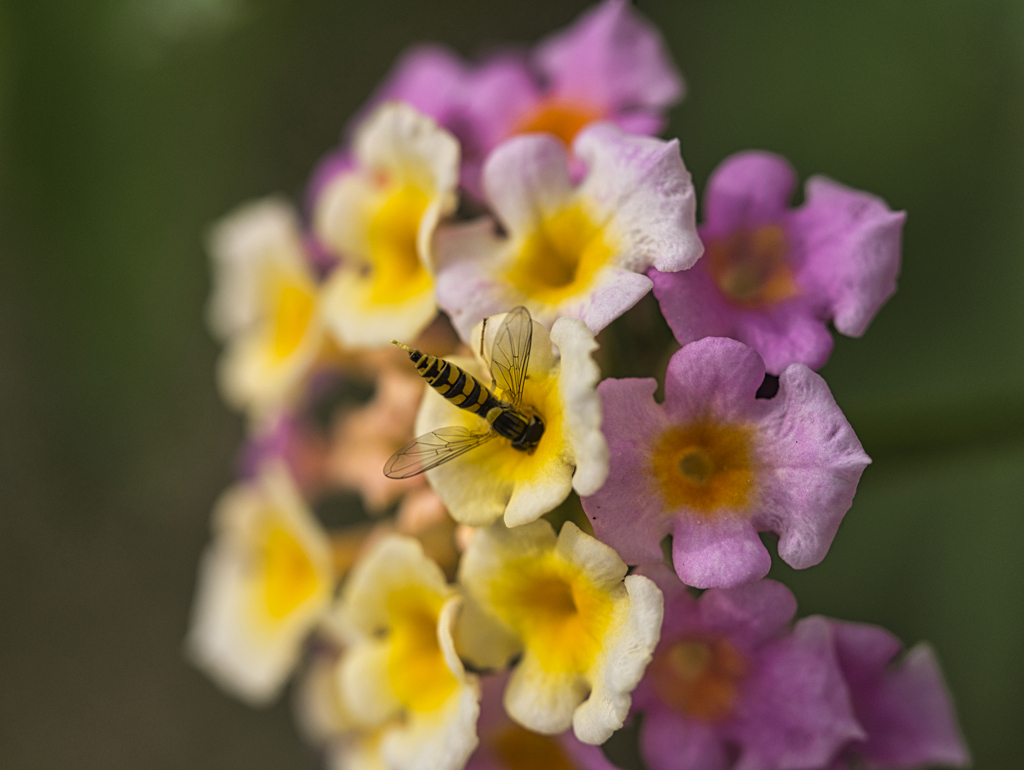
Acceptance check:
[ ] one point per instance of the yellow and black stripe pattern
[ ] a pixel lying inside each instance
(457, 385)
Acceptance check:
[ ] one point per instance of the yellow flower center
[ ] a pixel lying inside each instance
(563, 119)
(559, 614)
(398, 273)
(561, 258)
(417, 671)
(293, 309)
(750, 267)
(498, 459)
(289, 577)
(699, 678)
(520, 749)
(705, 466)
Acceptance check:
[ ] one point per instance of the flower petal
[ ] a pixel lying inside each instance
(817, 462)
(853, 242)
(526, 178)
(796, 709)
(250, 616)
(747, 189)
(362, 669)
(643, 191)
(410, 147)
(612, 57)
(581, 406)
(716, 376)
(543, 701)
(361, 322)
(904, 706)
(722, 553)
(623, 665)
(670, 743)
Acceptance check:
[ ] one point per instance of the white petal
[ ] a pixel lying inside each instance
(244, 651)
(411, 147)
(526, 178)
(363, 679)
(342, 214)
(240, 246)
(543, 701)
(359, 321)
(483, 640)
(598, 562)
(577, 385)
(319, 708)
(622, 665)
(394, 562)
(441, 740)
(544, 491)
(471, 495)
(645, 194)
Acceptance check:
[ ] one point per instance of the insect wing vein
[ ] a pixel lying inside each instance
(510, 354)
(433, 449)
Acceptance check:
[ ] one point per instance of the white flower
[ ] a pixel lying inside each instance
(576, 250)
(495, 479)
(264, 583)
(585, 634)
(400, 673)
(265, 305)
(379, 217)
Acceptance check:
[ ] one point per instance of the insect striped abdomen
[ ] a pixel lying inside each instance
(508, 363)
(453, 382)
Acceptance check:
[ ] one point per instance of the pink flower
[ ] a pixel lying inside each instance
(773, 277)
(609, 65)
(733, 685)
(714, 466)
(904, 707)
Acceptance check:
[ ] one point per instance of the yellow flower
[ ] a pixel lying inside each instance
(265, 305)
(585, 634)
(326, 722)
(264, 584)
(495, 479)
(568, 247)
(400, 671)
(379, 217)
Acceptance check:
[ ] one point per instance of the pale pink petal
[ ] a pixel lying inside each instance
(853, 243)
(724, 552)
(626, 513)
(613, 58)
(815, 462)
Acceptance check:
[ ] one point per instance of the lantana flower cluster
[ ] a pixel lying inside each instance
(519, 602)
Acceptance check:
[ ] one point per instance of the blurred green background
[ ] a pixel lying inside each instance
(126, 126)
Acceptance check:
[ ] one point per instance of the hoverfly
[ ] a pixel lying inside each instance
(509, 358)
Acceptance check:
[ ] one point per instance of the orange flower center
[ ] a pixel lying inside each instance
(750, 267)
(563, 119)
(705, 466)
(699, 678)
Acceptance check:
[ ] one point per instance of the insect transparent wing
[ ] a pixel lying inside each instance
(433, 449)
(510, 354)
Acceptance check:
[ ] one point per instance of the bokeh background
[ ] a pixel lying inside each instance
(127, 126)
